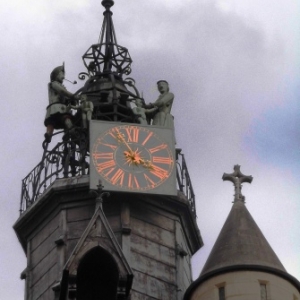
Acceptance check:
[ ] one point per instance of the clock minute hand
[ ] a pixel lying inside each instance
(121, 138)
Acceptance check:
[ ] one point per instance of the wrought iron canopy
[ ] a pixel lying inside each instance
(107, 56)
(106, 62)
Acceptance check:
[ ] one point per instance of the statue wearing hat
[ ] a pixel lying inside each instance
(58, 114)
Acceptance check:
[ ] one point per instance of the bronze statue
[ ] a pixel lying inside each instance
(164, 103)
(58, 115)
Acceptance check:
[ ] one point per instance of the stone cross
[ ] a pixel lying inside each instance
(237, 178)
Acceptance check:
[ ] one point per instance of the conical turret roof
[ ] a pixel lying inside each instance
(241, 242)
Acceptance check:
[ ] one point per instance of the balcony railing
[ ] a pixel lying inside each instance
(184, 183)
(70, 158)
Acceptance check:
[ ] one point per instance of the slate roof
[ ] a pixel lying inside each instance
(241, 242)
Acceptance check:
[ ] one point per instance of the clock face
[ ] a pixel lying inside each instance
(132, 158)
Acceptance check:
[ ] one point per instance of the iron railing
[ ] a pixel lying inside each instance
(184, 183)
(70, 158)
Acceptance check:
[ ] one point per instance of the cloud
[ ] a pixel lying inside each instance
(274, 136)
(236, 93)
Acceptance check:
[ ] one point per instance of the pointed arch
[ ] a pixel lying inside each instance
(97, 276)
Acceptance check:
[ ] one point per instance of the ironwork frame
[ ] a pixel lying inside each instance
(106, 62)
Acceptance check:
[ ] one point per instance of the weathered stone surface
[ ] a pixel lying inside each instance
(80, 213)
(152, 249)
(153, 233)
(44, 248)
(75, 229)
(44, 231)
(47, 279)
(148, 228)
(44, 265)
(153, 217)
(152, 287)
(153, 267)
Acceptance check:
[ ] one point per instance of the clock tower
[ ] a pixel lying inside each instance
(109, 212)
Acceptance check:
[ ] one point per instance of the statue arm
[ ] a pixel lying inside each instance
(164, 99)
(151, 110)
(149, 105)
(61, 90)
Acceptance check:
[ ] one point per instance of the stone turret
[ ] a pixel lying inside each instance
(242, 265)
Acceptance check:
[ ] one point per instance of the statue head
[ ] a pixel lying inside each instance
(139, 102)
(60, 70)
(163, 86)
(83, 98)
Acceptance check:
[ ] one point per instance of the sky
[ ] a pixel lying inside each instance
(234, 69)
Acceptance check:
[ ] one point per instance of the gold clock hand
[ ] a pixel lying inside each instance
(133, 156)
(147, 164)
(121, 138)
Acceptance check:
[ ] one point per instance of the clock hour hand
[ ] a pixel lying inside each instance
(147, 164)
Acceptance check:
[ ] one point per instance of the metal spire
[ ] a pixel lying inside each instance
(107, 56)
(237, 178)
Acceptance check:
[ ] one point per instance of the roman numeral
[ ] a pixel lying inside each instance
(147, 138)
(162, 160)
(118, 177)
(159, 172)
(103, 155)
(113, 147)
(149, 181)
(112, 132)
(107, 164)
(158, 148)
(108, 171)
(132, 134)
(133, 182)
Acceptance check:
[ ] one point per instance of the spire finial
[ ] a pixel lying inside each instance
(107, 3)
(237, 178)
